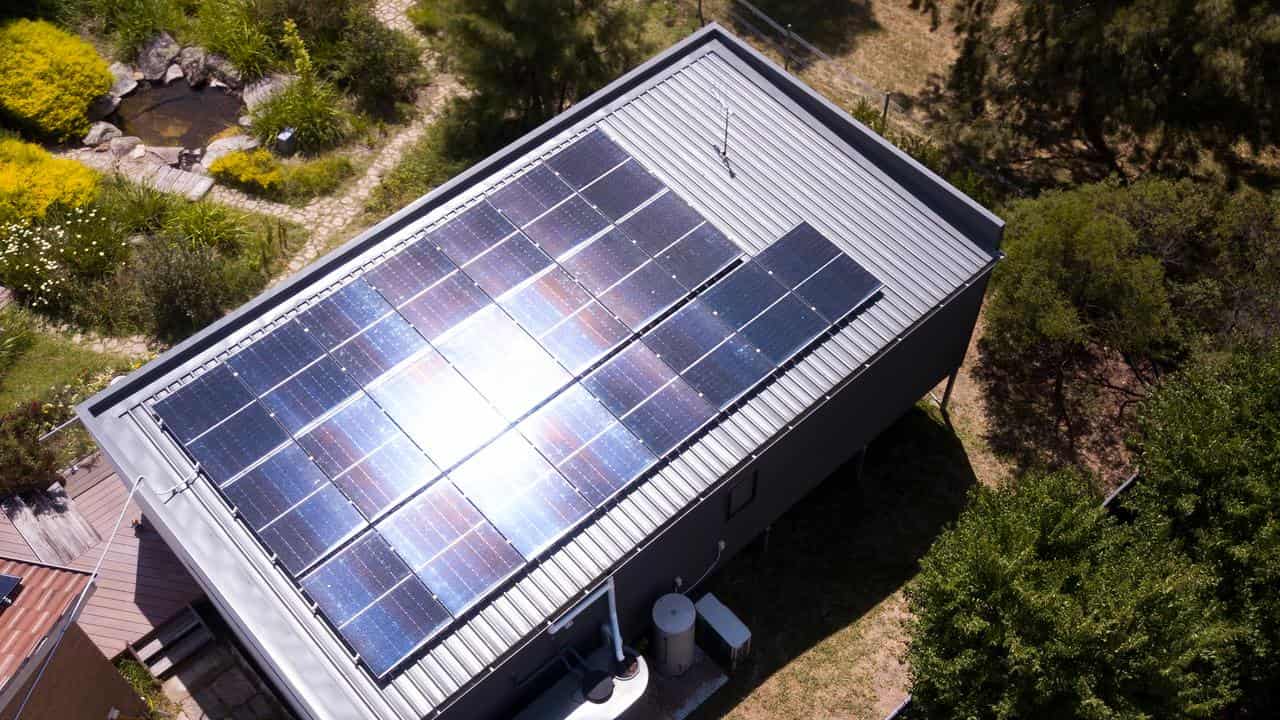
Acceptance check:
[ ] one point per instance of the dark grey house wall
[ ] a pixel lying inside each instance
(784, 474)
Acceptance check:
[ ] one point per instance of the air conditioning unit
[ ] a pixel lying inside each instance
(721, 634)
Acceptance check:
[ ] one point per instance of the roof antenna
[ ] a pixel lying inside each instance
(728, 112)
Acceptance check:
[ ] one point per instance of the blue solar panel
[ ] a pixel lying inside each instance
(354, 578)
(568, 422)
(390, 474)
(414, 269)
(584, 338)
(699, 256)
(311, 529)
(375, 351)
(530, 195)
(605, 261)
(670, 417)
(268, 490)
(507, 265)
(8, 585)
(622, 190)
(797, 255)
(435, 407)
(641, 297)
(626, 379)
(588, 158)
(661, 223)
(202, 403)
(348, 435)
(272, 358)
(839, 288)
(443, 307)
(728, 372)
(346, 312)
(545, 302)
(237, 443)
(451, 546)
(785, 329)
(744, 293)
(524, 497)
(688, 334)
(570, 224)
(309, 394)
(471, 233)
(394, 626)
(606, 465)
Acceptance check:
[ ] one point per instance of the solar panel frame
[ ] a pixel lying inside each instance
(587, 158)
(839, 288)
(797, 255)
(471, 232)
(663, 221)
(622, 190)
(311, 529)
(566, 226)
(202, 403)
(529, 195)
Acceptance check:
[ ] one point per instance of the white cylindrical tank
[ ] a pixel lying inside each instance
(673, 621)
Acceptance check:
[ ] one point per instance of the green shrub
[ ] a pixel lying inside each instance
(254, 171)
(382, 67)
(133, 22)
(209, 225)
(313, 178)
(16, 335)
(48, 78)
(63, 12)
(185, 287)
(233, 29)
(135, 208)
(309, 105)
(32, 181)
(428, 16)
(26, 463)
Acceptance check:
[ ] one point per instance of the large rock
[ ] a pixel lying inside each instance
(170, 156)
(225, 146)
(101, 132)
(222, 69)
(122, 146)
(156, 55)
(191, 60)
(256, 93)
(123, 81)
(173, 73)
(103, 106)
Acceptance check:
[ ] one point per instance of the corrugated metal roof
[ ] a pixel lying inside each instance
(786, 165)
(45, 595)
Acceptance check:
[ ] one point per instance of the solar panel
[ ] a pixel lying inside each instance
(348, 435)
(506, 365)
(451, 546)
(388, 475)
(728, 372)
(375, 351)
(797, 255)
(237, 443)
(312, 528)
(202, 403)
(699, 256)
(610, 462)
(605, 261)
(522, 495)
(588, 158)
(270, 359)
(661, 222)
(626, 379)
(530, 195)
(687, 335)
(507, 265)
(354, 578)
(570, 224)
(393, 627)
(477, 229)
(8, 584)
(544, 303)
(268, 490)
(414, 269)
(642, 296)
(584, 338)
(443, 307)
(668, 418)
(743, 294)
(839, 288)
(344, 313)
(567, 423)
(309, 394)
(622, 190)
(784, 329)
(439, 410)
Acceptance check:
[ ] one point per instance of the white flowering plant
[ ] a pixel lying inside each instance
(44, 260)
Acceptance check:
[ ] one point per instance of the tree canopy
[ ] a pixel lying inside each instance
(1038, 604)
(1185, 74)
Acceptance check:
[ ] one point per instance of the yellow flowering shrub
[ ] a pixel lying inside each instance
(254, 171)
(48, 78)
(31, 180)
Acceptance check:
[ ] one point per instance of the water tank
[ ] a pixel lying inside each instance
(673, 620)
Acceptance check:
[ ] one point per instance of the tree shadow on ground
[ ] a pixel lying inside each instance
(843, 549)
(832, 25)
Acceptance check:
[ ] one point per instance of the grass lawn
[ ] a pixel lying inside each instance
(52, 360)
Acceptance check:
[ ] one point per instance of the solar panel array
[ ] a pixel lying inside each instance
(406, 444)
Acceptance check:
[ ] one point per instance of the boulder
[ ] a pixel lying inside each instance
(165, 155)
(256, 93)
(123, 146)
(191, 60)
(156, 54)
(138, 152)
(245, 121)
(103, 106)
(173, 73)
(123, 81)
(224, 146)
(222, 70)
(101, 132)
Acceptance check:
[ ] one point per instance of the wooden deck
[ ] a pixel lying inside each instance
(141, 585)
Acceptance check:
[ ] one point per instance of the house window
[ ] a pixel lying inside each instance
(742, 493)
